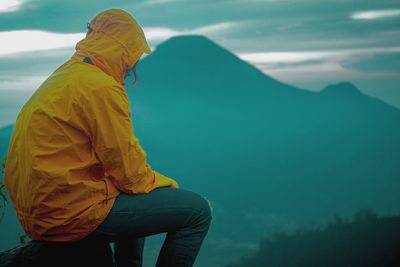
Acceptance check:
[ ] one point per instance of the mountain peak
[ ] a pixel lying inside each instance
(188, 58)
(341, 88)
(199, 58)
(188, 40)
(192, 47)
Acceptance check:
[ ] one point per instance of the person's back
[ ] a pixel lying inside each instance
(52, 172)
(74, 162)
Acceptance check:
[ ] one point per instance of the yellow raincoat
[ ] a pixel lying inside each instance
(73, 149)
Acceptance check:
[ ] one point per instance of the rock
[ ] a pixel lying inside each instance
(60, 254)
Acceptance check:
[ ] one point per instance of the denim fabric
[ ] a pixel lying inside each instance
(184, 215)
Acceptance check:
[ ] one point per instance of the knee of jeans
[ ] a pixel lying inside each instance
(208, 209)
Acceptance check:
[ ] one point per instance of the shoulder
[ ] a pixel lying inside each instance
(87, 75)
(91, 82)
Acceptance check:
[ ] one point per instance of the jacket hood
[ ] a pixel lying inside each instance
(115, 42)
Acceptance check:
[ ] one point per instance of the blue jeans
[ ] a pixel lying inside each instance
(184, 215)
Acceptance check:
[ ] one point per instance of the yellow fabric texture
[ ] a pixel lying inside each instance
(73, 148)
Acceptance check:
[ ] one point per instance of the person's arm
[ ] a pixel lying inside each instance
(109, 119)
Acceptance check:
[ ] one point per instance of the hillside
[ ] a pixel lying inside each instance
(367, 240)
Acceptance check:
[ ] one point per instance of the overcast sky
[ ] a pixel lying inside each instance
(307, 43)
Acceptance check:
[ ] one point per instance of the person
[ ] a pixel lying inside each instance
(75, 169)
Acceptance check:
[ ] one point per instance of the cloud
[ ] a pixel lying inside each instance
(388, 62)
(32, 63)
(25, 83)
(15, 41)
(159, 34)
(9, 5)
(375, 14)
(156, 2)
(301, 66)
(324, 72)
(216, 28)
(301, 56)
(35, 40)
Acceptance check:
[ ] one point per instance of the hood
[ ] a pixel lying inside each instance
(115, 42)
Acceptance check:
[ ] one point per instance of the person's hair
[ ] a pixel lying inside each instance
(133, 70)
(130, 71)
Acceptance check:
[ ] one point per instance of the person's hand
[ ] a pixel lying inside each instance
(175, 184)
(162, 181)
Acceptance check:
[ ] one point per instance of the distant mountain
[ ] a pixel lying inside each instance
(343, 88)
(269, 156)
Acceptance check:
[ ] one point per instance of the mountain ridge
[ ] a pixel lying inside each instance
(207, 55)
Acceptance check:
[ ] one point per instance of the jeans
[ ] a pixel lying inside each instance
(184, 215)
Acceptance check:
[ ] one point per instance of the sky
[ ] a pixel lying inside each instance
(306, 43)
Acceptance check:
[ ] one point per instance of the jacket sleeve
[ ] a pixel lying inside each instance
(124, 161)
